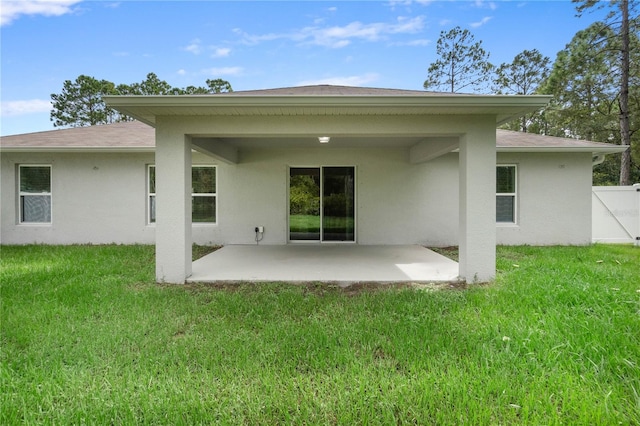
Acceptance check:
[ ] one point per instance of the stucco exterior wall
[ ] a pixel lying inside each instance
(553, 201)
(98, 198)
(101, 198)
(397, 202)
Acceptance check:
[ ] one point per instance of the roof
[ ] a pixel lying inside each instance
(124, 136)
(331, 90)
(134, 136)
(509, 141)
(326, 100)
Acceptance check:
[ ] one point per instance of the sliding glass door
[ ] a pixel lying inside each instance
(322, 204)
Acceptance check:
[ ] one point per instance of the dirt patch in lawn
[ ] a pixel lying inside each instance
(320, 288)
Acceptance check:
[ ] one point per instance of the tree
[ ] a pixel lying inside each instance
(585, 84)
(584, 90)
(213, 86)
(523, 76)
(80, 103)
(152, 85)
(463, 63)
(618, 22)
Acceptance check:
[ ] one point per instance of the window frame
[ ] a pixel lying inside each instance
(152, 195)
(513, 195)
(22, 194)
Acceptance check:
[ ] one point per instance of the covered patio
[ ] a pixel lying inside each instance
(261, 135)
(342, 264)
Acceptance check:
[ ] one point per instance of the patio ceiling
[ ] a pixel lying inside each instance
(312, 141)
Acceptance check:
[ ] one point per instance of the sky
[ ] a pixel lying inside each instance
(252, 44)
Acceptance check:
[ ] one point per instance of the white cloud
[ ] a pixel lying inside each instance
(32, 106)
(13, 9)
(481, 22)
(393, 3)
(340, 36)
(482, 4)
(221, 52)
(181, 72)
(354, 80)
(418, 42)
(218, 72)
(194, 47)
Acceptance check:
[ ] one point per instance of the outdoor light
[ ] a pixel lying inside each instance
(324, 139)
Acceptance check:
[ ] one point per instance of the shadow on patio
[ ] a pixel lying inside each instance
(337, 263)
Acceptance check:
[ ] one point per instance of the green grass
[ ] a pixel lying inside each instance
(310, 223)
(88, 338)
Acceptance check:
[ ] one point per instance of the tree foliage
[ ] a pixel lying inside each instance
(621, 24)
(584, 89)
(463, 63)
(523, 76)
(80, 102)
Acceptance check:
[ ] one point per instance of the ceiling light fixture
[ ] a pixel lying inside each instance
(324, 139)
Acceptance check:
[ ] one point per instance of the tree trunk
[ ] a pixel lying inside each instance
(623, 100)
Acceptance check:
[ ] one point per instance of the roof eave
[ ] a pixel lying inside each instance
(504, 107)
(78, 149)
(590, 149)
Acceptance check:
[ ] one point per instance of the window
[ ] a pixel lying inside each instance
(506, 194)
(203, 194)
(34, 194)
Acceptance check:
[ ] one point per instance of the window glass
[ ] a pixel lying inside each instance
(203, 200)
(152, 179)
(506, 194)
(203, 209)
(505, 179)
(35, 179)
(505, 208)
(203, 180)
(34, 194)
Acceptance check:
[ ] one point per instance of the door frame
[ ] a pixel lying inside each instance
(355, 205)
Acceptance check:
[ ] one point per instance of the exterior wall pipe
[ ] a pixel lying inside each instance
(597, 159)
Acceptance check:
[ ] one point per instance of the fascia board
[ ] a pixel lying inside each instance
(600, 150)
(504, 107)
(474, 101)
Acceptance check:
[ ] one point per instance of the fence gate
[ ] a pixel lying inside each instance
(616, 214)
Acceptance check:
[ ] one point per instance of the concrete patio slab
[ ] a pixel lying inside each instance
(338, 263)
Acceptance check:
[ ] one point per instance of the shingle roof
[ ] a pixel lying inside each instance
(132, 134)
(135, 135)
(331, 90)
(509, 139)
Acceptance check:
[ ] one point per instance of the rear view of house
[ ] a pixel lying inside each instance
(305, 165)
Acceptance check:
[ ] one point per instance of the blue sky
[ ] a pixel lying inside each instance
(252, 44)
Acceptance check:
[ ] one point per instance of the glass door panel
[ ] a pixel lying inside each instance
(338, 207)
(304, 204)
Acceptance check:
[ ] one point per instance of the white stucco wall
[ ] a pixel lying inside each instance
(554, 199)
(97, 198)
(101, 198)
(397, 202)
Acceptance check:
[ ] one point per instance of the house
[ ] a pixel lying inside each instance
(314, 164)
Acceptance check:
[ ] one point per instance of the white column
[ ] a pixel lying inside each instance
(173, 205)
(477, 260)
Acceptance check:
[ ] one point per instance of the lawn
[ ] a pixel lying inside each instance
(88, 338)
(309, 223)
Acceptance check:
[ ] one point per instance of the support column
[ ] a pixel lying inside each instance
(477, 228)
(173, 205)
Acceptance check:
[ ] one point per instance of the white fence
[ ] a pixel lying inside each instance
(616, 214)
